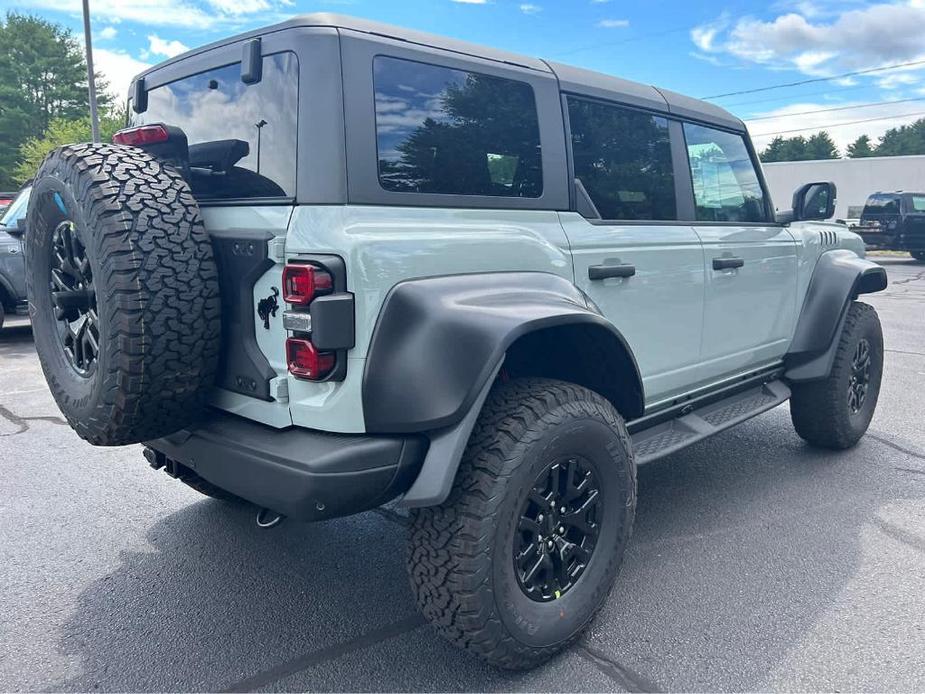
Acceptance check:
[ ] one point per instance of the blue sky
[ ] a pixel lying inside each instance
(700, 49)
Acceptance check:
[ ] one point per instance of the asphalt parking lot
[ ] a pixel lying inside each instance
(757, 564)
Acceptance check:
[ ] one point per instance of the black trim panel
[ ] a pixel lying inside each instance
(437, 341)
(242, 259)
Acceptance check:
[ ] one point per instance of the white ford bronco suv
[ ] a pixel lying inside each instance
(334, 263)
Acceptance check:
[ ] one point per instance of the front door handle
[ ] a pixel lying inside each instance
(727, 263)
(603, 272)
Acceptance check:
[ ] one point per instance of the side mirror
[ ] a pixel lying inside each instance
(814, 201)
(19, 229)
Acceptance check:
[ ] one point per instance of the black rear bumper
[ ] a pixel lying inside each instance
(301, 473)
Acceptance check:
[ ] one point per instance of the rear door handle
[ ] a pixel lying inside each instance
(603, 272)
(727, 263)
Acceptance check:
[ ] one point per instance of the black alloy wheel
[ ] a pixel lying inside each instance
(558, 529)
(74, 299)
(859, 382)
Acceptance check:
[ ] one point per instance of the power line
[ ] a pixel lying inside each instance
(817, 79)
(630, 39)
(838, 125)
(795, 96)
(839, 108)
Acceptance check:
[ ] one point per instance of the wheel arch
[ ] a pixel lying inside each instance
(439, 341)
(440, 344)
(839, 277)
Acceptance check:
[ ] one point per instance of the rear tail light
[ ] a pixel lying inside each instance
(302, 283)
(305, 361)
(143, 135)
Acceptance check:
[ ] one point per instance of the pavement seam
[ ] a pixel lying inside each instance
(622, 675)
(322, 655)
(896, 446)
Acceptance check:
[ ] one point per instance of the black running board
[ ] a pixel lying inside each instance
(666, 438)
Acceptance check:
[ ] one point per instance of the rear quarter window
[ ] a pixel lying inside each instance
(242, 137)
(442, 130)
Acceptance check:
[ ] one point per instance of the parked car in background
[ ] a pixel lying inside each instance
(12, 261)
(5, 200)
(895, 222)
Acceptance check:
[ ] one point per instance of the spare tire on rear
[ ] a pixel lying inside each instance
(123, 293)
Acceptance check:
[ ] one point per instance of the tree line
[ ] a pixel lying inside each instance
(906, 139)
(44, 101)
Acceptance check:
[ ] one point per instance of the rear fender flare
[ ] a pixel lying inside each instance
(439, 340)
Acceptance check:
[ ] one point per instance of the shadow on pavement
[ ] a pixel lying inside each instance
(740, 544)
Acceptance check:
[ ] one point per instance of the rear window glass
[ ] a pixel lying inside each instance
(882, 204)
(440, 130)
(242, 137)
(918, 203)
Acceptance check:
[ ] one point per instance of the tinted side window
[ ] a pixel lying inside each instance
(726, 185)
(242, 137)
(440, 130)
(623, 159)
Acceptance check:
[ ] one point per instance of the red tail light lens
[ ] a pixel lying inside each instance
(143, 135)
(305, 361)
(302, 283)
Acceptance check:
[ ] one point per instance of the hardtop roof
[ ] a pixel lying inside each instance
(571, 79)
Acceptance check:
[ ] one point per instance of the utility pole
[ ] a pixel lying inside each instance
(91, 79)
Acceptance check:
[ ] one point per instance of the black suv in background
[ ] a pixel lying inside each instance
(895, 222)
(12, 263)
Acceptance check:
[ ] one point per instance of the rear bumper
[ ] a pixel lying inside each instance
(301, 473)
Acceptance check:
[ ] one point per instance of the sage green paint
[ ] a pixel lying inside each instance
(689, 326)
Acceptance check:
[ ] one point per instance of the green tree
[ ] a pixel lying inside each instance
(821, 146)
(906, 139)
(62, 131)
(861, 147)
(43, 76)
(799, 148)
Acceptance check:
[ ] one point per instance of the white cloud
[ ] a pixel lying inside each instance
(106, 33)
(853, 39)
(163, 47)
(185, 13)
(613, 23)
(530, 8)
(118, 68)
(794, 117)
(238, 7)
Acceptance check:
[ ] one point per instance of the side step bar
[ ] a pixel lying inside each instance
(666, 438)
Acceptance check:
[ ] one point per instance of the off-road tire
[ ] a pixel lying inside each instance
(157, 300)
(2, 313)
(820, 409)
(460, 561)
(918, 255)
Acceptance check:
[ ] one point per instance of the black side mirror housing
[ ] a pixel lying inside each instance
(813, 201)
(19, 229)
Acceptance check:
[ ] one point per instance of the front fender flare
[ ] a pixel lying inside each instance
(440, 340)
(839, 277)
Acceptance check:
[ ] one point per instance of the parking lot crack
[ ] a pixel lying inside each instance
(313, 658)
(23, 422)
(622, 675)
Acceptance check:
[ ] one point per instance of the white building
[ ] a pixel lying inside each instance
(855, 179)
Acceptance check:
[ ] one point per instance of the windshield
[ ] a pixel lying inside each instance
(17, 209)
(882, 204)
